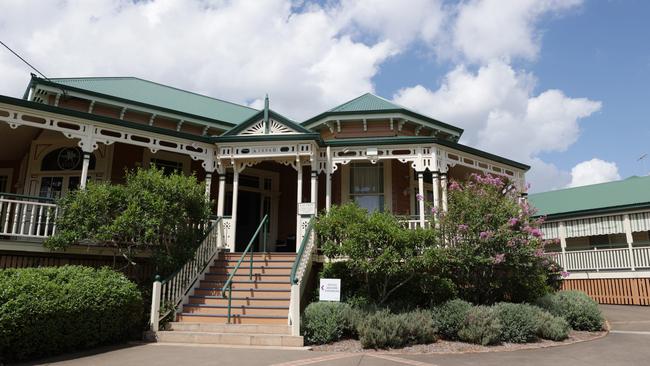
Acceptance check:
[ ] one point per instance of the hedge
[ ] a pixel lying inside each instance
(48, 311)
(578, 309)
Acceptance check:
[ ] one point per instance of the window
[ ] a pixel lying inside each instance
(367, 185)
(168, 167)
(65, 159)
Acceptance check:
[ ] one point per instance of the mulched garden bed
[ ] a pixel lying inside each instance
(443, 346)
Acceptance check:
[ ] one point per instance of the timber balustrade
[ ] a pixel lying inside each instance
(603, 259)
(171, 292)
(27, 216)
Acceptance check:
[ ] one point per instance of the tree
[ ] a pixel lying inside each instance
(165, 214)
(495, 244)
(378, 251)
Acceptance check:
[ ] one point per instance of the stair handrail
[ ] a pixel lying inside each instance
(293, 279)
(296, 277)
(173, 289)
(228, 283)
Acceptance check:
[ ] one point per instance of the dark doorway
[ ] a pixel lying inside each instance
(248, 218)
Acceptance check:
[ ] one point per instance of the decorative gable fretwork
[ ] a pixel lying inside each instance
(275, 128)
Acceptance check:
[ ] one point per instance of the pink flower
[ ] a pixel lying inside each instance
(513, 221)
(433, 210)
(463, 227)
(484, 235)
(539, 252)
(454, 186)
(536, 232)
(565, 274)
(419, 197)
(499, 258)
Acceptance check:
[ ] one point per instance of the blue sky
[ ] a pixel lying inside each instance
(600, 51)
(561, 85)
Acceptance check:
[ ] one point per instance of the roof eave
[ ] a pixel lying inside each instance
(38, 80)
(595, 211)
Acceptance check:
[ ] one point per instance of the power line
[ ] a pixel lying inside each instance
(23, 60)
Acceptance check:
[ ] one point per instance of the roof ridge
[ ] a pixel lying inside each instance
(159, 84)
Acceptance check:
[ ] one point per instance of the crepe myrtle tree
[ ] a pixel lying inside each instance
(164, 214)
(494, 243)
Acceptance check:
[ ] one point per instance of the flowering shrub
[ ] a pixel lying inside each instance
(495, 246)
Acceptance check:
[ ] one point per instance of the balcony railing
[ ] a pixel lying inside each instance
(604, 259)
(413, 222)
(26, 216)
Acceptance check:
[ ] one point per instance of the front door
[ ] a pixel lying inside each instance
(248, 219)
(57, 186)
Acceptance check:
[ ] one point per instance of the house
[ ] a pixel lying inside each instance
(602, 237)
(258, 166)
(67, 131)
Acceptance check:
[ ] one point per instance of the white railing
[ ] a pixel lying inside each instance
(175, 288)
(27, 217)
(300, 271)
(413, 224)
(603, 259)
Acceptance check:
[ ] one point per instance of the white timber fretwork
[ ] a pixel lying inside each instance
(91, 133)
(274, 128)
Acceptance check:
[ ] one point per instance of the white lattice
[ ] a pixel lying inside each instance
(278, 128)
(275, 128)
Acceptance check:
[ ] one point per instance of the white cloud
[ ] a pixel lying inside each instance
(592, 172)
(500, 113)
(487, 29)
(236, 50)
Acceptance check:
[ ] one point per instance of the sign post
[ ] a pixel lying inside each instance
(330, 289)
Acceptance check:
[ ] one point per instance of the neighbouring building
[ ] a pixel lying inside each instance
(602, 235)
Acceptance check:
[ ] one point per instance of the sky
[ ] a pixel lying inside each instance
(561, 85)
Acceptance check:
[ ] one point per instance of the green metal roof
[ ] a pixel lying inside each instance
(628, 193)
(372, 104)
(132, 89)
(365, 103)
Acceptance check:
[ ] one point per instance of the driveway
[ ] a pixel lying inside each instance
(627, 344)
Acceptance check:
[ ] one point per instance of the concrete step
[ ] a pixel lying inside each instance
(215, 275)
(256, 270)
(241, 292)
(230, 328)
(236, 310)
(279, 285)
(232, 261)
(238, 301)
(236, 319)
(258, 255)
(229, 338)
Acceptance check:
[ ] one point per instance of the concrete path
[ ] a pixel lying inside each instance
(627, 344)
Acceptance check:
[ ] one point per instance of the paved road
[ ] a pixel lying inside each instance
(627, 344)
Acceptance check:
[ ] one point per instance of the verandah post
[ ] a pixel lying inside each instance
(328, 181)
(154, 319)
(84, 170)
(630, 239)
(235, 194)
(420, 200)
(298, 202)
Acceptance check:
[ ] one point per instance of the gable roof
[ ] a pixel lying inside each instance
(155, 95)
(369, 103)
(633, 192)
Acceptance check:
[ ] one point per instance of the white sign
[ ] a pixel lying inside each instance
(330, 289)
(306, 208)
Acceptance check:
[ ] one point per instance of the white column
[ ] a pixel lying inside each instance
(562, 231)
(436, 189)
(328, 181)
(298, 202)
(420, 201)
(235, 193)
(154, 315)
(629, 238)
(84, 170)
(222, 194)
(443, 186)
(208, 184)
(314, 189)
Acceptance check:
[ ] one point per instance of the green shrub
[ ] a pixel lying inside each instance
(326, 322)
(449, 317)
(578, 309)
(481, 326)
(386, 330)
(552, 327)
(519, 322)
(47, 311)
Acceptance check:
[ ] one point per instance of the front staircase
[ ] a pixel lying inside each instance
(259, 307)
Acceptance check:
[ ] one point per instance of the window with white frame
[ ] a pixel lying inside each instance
(367, 185)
